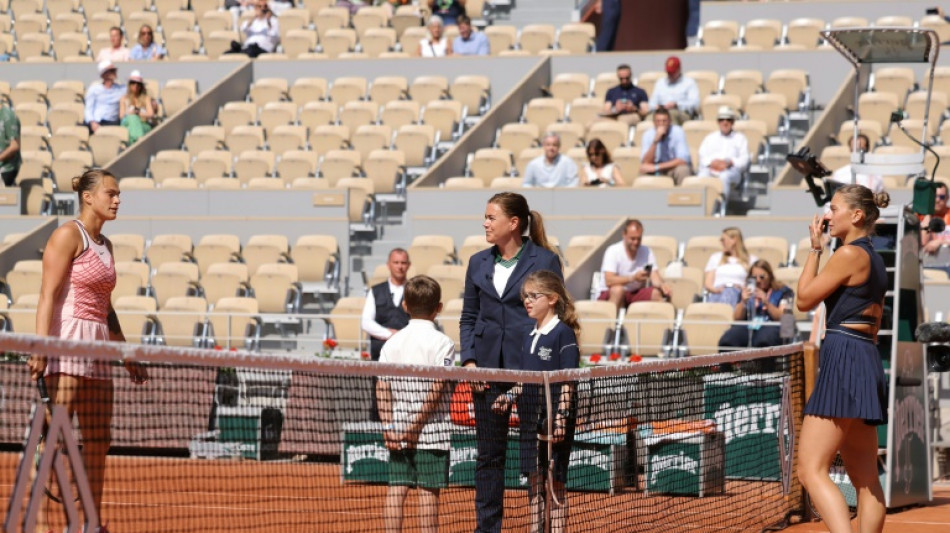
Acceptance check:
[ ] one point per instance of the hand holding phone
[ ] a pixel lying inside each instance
(933, 11)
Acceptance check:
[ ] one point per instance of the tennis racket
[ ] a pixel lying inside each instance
(51, 488)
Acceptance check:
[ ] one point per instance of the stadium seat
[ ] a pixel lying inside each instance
(579, 246)
(871, 128)
(696, 131)
(805, 32)
(613, 134)
(742, 83)
(345, 322)
(211, 164)
(707, 81)
(315, 257)
(136, 316)
(425, 89)
(713, 187)
(764, 33)
(645, 323)
(916, 108)
(398, 113)
(600, 318)
(653, 182)
(451, 278)
(896, 80)
(265, 249)
(67, 165)
(386, 169)
(177, 94)
(536, 37)
(174, 279)
(446, 117)
(772, 249)
(791, 83)
(571, 134)
(704, 324)
(543, 112)
(489, 163)
(253, 164)
(576, 38)
(275, 114)
(699, 249)
(770, 108)
(297, 164)
(234, 324)
(627, 160)
(416, 141)
(501, 38)
(720, 34)
(182, 321)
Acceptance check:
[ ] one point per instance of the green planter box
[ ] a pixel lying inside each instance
(364, 456)
(685, 463)
(255, 430)
(747, 411)
(463, 454)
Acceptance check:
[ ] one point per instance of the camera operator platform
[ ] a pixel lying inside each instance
(905, 442)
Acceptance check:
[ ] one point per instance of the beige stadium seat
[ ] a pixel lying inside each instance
(405, 17)
(474, 91)
(287, 137)
(425, 89)
(805, 32)
(398, 113)
(277, 288)
(571, 134)
(696, 131)
(451, 278)
(536, 37)
(764, 33)
(184, 21)
(576, 38)
(386, 89)
(602, 83)
(347, 89)
(742, 83)
(938, 24)
(266, 184)
(446, 117)
(129, 279)
(544, 111)
(222, 184)
(325, 138)
(24, 279)
(177, 94)
(577, 153)
(416, 141)
(331, 18)
(173, 279)
(314, 6)
(894, 20)
(791, 83)
(243, 138)
(338, 41)
(410, 38)
(772, 249)
(318, 113)
(429, 250)
(699, 249)
(449, 318)
(378, 41)
(663, 248)
(914, 125)
(308, 89)
(585, 110)
(168, 248)
(521, 162)
(339, 164)
(459, 183)
(234, 323)
(140, 270)
(31, 45)
(219, 42)
(315, 257)
(34, 138)
(653, 182)
(211, 164)
(897, 80)
(180, 184)
(770, 108)
(916, 108)
(345, 321)
(265, 249)
(713, 187)
(137, 183)
(470, 246)
(64, 115)
(613, 134)
(30, 91)
(202, 138)
(169, 164)
(712, 103)
(490, 163)
(107, 142)
(216, 248)
(369, 138)
(627, 160)
(368, 18)
(789, 276)
(579, 246)
(501, 38)
(877, 106)
(67, 165)
(704, 324)
(182, 43)
(32, 113)
(265, 90)
(516, 136)
(707, 81)
(358, 113)
(645, 323)
(182, 321)
(386, 169)
(297, 164)
(66, 92)
(70, 44)
(136, 317)
(871, 128)
(720, 34)
(299, 41)
(35, 165)
(253, 164)
(275, 114)
(292, 19)
(600, 319)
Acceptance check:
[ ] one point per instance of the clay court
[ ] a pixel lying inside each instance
(182, 495)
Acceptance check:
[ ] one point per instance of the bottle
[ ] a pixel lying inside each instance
(787, 322)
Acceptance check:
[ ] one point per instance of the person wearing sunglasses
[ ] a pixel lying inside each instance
(724, 154)
(137, 110)
(147, 49)
(932, 241)
(765, 301)
(261, 33)
(600, 171)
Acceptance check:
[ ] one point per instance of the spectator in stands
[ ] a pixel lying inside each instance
(724, 154)
(469, 42)
(930, 241)
(726, 270)
(391, 5)
(765, 303)
(137, 110)
(626, 102)
(279, 6)
(843, 174)
(10, 159)
(102, 99)
(600, 170)
(415, 412)
(147, 49)
(609, 11)
(676, 93)
(447, 10)
(383, 314)
(666, 152)
(261, 33)
(630, 271)
(551, 169)
(117, 52)
(435, 44)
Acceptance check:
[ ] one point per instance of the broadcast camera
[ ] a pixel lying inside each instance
(936, 338)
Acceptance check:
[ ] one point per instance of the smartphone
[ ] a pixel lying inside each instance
(932, 11)
(648, 269)
(824, 226)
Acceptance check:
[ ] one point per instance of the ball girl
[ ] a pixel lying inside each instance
(551, 345)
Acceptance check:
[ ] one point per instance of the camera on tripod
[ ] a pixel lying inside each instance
(936, 339)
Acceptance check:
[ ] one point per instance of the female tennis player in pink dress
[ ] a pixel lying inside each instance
(75, 303)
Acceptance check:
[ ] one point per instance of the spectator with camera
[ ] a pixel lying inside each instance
(261, 33)
(763, 299)
(626, 102)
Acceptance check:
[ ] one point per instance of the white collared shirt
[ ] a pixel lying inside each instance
(544, 330)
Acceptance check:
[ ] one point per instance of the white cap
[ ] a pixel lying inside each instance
(726, 112)
(105, 65)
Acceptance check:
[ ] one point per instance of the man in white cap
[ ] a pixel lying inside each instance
(102, 99)
(725, 153)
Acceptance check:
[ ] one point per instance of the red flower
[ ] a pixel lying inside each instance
(595, 358)
(636, 358)
(614, 356)
(330, 344)
(364, 355)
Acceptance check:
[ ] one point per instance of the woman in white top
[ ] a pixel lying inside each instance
(726, 271)
(435, 45)
(600, 170)
(261, 33)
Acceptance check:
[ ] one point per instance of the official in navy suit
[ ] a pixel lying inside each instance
(493, 326)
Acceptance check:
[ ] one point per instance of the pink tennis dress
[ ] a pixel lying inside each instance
(80, 309)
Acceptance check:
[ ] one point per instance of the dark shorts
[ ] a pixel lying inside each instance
(428, 469)
(644, 294)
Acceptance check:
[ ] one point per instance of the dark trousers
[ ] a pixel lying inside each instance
(251, 50)
(9, 178)
(738, 337)
(609, 20)
(491, 434)
(103, 123)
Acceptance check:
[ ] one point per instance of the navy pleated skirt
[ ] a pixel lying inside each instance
(850, 379)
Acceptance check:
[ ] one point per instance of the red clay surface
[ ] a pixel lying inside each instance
(181, 495)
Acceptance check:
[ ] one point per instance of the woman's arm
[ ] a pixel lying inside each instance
(123, 107)
(709, 282)
(618, 178)
(846, 264)
(62, 247)
(149, 110)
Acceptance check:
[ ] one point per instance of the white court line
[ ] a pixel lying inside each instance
(236, 508)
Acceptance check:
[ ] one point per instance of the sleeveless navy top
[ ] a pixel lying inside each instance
(845, 305)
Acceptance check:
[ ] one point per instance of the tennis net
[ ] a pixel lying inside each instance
(223, 441)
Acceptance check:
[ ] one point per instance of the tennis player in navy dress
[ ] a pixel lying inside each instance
(850, 396)
(551, 345)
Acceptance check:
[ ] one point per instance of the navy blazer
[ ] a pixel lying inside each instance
(493, 327)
